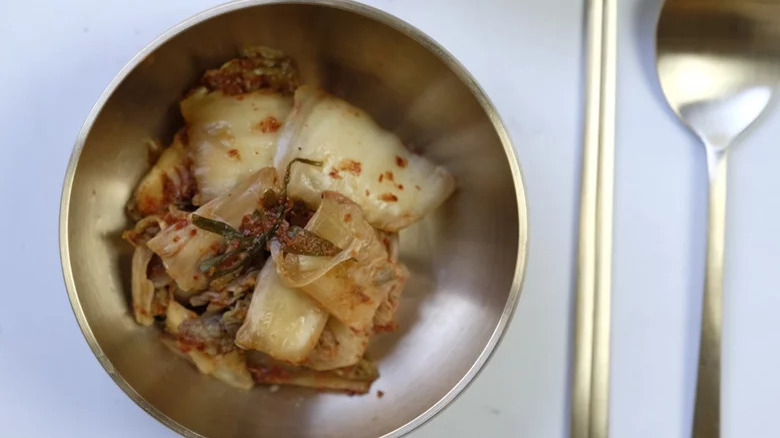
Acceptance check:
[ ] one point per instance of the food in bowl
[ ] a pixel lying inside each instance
(266, 233)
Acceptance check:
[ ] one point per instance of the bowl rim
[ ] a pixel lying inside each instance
(374, 14)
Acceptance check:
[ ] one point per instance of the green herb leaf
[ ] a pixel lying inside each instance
(252, 246)
(216, 227)
(212, 262)
(283, 211)
(289, 168)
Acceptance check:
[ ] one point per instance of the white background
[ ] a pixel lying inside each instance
(56, 58)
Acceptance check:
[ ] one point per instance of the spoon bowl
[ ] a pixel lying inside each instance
(716, 63)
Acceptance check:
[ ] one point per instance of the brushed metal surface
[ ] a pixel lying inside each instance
(590, 389)
(719, 65)
(466, 260)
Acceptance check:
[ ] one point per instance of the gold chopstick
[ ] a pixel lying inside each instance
(590, 393)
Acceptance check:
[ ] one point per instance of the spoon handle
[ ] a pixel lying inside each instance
(706, 417)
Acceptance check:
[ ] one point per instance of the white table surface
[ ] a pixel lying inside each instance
(56, 58)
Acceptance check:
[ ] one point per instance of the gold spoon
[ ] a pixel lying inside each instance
(718, 63)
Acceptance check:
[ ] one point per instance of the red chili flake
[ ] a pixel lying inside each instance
(147, 204)
(334, 174)
(178, 221)
(390, 327)
(400, 186)
(400, 161)
(184, 136)
(347, 217)
(363, 297)
(350, 166)
(169, 190)
(380, 394)
(269, 124)
(388, 197)
(381, 177)
(175, 239)
(193, 232)
(368, 192)
(233, 153)
(269, 374)
(389, 175)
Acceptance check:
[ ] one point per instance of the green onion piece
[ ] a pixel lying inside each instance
(216, 227)
(250, 247)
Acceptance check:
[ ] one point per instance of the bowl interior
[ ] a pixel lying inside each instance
(466, 259)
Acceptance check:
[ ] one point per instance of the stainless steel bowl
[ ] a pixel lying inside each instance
(467, 259)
